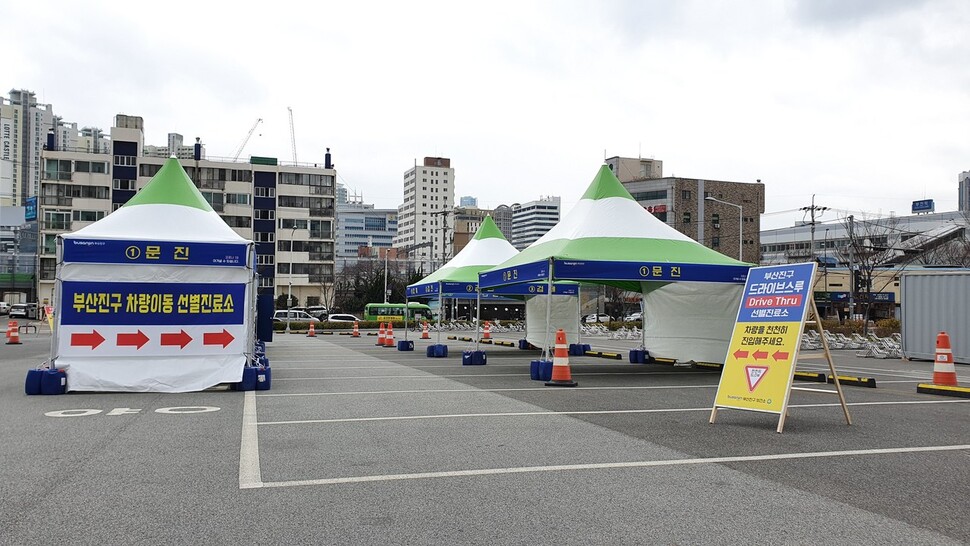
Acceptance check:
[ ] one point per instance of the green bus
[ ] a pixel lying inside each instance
(395, 311)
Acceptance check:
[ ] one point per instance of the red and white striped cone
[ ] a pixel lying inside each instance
(311, 332)
(356, 330)
(944, 372)
(561, 376)
(424, 331)
(389, 337)
(380, 336)
(13, 333)
(487, 330)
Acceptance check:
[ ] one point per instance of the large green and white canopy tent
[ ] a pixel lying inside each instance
(157, 296)
(690, 292)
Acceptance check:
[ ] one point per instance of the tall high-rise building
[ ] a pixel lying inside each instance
(468, 201)
(532, 220)
(502, 215)
(424, 228)
(24, 125)
(287, 210)
(964, 183)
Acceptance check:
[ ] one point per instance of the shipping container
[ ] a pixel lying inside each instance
(932, 302)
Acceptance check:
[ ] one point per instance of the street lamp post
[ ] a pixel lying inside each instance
(825, 272)
(740, 225)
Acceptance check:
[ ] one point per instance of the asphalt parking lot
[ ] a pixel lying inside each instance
(356, 443)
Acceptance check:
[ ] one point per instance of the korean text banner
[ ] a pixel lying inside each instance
(130, 303)
(108, 251)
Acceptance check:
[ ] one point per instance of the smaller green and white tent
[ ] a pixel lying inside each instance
(459, 279)
(155, 297)
(691, 292)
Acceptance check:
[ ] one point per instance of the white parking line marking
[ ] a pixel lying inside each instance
(543, 389)
(589, 412)
(249, 473)
(608, 466)
(449, 376)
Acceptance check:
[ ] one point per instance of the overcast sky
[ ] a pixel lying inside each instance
(865, 103)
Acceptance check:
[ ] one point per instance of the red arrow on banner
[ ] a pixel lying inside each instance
(739, 354)
(779, 355)
(759, 355)
(181, 339)
(87, 340)
(223, 338)
(137, 340)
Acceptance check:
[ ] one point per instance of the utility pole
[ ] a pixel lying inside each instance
(851, 269)
(444, 232)
(812, 210)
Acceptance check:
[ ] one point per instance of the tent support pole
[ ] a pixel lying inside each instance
(545, 346)
(579, 327)
(407, 309)
(478, 314)
(441, 310)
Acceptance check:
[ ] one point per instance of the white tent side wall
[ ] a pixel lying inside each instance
(691, 321)
(564, 314)
(154, 366)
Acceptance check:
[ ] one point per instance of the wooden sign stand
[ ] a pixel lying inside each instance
(815, 320)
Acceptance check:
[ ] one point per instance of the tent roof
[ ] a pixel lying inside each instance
(607, 225)
(168, 208)
(486, 249)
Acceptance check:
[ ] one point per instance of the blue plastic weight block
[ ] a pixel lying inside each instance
(534, 370)
(545, 370)
(440, 351)
(53, 382)
(32, 385)
(248, 382)
(403, 345)
(264, 378)
(473, 358)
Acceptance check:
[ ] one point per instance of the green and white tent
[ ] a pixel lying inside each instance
(459, 279)
(155, 297)
(690, 292)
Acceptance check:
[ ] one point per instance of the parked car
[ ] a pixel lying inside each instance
(4, 308)
(23, 310)
(319, 311)
(340, 317)
(294, 316)
(632, 317)
(594, 318)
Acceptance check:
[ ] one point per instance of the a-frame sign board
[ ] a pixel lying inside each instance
(760, 365)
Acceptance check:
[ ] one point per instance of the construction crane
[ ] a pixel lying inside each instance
(242, 145)
(292, 134)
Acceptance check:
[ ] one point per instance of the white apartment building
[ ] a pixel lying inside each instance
(425, 228)
(24, 125)
(286, 209)
(532, 220)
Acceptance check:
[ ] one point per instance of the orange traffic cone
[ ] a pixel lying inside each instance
(389, 338)
(561, 376)
(356, 330)
(311, 332)
(13, 333)
(424, 331)
(380, 336)
(487, 331)
(944, 373)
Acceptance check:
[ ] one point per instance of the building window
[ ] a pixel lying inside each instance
(265, 259)
(264, 237)
(685, 194)
(715, 242)
(266, 282)
(119, 184)
(716, 221)
(264, 192)
(125, 161)
(686, 217)
(264, 214)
